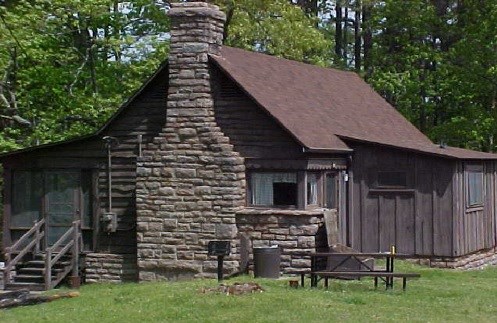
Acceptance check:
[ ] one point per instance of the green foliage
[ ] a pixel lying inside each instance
(70, 63)
(278, 28)
(438, 65)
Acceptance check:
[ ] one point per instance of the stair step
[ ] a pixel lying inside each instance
(37, 271)
(28, 279)
(30, 286)
(41, 264)
(30, 274)
(42, 256)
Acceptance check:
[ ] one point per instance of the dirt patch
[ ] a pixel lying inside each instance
(234, 289)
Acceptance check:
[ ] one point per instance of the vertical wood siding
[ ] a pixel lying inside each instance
(475, 226)
(417, 219)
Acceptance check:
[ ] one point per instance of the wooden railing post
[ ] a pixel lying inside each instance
(7, 269)
(37, 238)
(75, 280)
(48, 269)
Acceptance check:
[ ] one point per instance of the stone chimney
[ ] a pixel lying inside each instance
(190, 181)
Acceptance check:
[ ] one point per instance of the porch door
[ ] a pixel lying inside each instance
(61, 202)
(334, 201)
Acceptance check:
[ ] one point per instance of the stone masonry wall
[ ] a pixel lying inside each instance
(190, 181)
(109, 268)
(291, 230)
(475, 260)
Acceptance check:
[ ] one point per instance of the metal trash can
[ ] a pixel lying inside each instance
(267, 262)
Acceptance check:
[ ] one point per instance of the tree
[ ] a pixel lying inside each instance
(275, 27)
(469, 87)
(68, 64)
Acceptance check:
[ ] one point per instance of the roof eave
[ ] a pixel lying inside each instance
(434, 154)
(328, 150)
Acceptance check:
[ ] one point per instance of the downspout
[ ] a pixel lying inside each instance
(109, 219)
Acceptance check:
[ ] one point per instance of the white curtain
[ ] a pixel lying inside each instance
(312, 189)
(262, 186)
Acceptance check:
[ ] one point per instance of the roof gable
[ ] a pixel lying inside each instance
(163, 68)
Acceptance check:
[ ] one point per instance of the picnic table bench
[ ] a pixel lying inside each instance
(334, 262)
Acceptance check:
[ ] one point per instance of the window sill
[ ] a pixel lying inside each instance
(392, 190)
(276, 211)
(474, 208)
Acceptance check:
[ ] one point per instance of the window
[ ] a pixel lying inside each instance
(392, 179)
(331, 200)
(294, 189)
(273, 188)
(312, 189)
(474, 186)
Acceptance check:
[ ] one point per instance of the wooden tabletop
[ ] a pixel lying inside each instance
(354, 254)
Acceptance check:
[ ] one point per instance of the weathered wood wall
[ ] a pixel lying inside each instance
(417, 219)
(251, 130)
(144, 115)
(475, 227)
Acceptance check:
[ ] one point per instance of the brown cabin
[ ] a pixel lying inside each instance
(226, 144)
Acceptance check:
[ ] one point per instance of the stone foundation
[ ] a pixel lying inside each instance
(109, 268)
(476, 260)
(291, 230)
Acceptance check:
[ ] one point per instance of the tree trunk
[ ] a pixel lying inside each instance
(367, 40)
(357, 37)
(345, 32)
(338, 28)
(310, 7)
(23, 297)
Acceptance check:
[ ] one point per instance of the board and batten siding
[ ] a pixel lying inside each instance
(417, 219)
(144, 115)
(475, 227)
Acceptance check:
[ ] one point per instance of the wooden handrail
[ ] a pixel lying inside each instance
(61, 240)
(73, 244)
(61, 253)
(25, 236)
(33, 245)
(21, 254)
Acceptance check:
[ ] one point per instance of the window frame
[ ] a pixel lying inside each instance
(319, 188)
(302, 176)
(250, 192)
(473, 169)
(337, 178)
(383, 186)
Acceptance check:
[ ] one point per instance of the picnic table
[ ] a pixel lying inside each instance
(325, 265)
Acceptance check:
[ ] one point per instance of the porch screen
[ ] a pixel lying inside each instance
(274, 188)
(27, 193)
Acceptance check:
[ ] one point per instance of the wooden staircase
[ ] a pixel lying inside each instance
(31, 268)
(31, 274)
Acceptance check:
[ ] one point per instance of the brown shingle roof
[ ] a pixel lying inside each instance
(323, 108)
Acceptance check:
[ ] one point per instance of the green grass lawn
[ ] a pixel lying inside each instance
(438, 296)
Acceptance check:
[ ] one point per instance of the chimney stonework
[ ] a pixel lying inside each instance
(190, 181)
